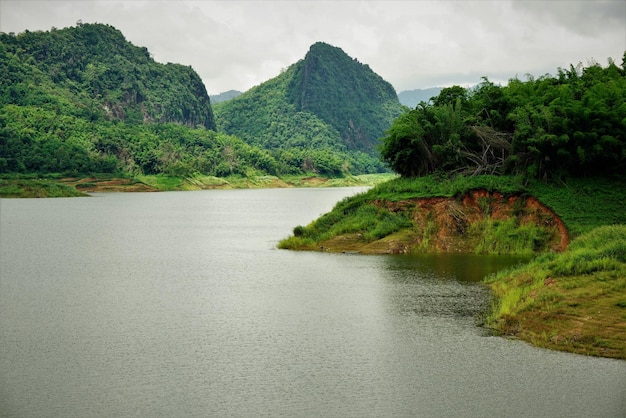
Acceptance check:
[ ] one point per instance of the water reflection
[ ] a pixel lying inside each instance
(442, 285)
(457, 267)
(173, 304)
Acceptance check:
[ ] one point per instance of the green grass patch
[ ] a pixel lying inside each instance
(435, 186)
(507, 237)
(161, 182)
(28, 188)
(352, 215)
(573, 301)
(584, 204)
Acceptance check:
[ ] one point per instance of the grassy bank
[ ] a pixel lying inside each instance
(582, 205)
(430, 214)
(585, 204)
(574, 301)
(24, 188)
(63, 186)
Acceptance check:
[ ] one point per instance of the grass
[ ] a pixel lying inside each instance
(58, 185)
(29, 188)
(584, 204)
(366, 218)
(508, 237)
(574, 301)
(430, 186)
(350, 216)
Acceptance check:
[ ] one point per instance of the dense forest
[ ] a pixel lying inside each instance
(345, 94)
(325, 113)
(550, 127)
(83, 100)
(91, 71)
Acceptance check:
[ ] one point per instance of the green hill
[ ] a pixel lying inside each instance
(91, 71)
(222, 97)
(325, 113)
(83, 100)
(345, 94)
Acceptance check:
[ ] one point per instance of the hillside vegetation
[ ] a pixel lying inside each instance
(325, 113)
(91, 71)
(82, 101)
(547, 127)
(574, 301)
(522, 169)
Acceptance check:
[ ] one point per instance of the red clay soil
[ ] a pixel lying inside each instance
(449, 219)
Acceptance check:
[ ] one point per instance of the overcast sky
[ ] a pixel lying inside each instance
(412, 44)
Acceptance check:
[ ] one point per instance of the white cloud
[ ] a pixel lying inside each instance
(412, 44)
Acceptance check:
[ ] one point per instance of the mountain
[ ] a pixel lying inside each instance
(92, 71)
(326, 101)
(344, 93)
(83, 100)
(222, 97)
(412, 98)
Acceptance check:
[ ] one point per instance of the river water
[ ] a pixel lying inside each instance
(179, 305)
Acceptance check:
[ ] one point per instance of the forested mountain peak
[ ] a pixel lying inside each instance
(325, 113)
(344, 93)
(94, 69)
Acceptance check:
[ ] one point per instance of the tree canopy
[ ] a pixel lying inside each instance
(571, 124)
(91, 71)
(84, 100)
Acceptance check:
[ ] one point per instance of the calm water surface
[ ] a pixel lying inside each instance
(179, 304)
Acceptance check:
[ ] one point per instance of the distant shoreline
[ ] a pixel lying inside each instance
(29, 186)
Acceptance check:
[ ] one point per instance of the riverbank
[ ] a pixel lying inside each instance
(571, 298)
(574, 301)
(477, 221)
(63, 186)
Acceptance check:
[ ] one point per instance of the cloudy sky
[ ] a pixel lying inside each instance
(411, 44)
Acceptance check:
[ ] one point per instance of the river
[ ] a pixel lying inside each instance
(179, 304)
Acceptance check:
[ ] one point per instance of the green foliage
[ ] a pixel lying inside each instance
(434, 186)
(92, 72)
(10, 188)
(322, 115)
(603, 248)
(345, 94)
(584, 203)
(507, 237)
(41, 141)
(571, 301)
(546, 128)
(350, 217)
